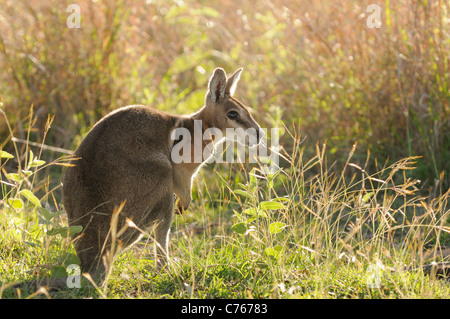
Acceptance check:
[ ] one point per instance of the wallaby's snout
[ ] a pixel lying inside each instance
(259, 135)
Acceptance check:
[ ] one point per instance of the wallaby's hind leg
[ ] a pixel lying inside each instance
(91, 260)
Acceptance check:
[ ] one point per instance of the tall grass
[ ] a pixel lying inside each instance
(337, 220)
(318, 61)
(295, 233)
(298, 233)
(312, 227)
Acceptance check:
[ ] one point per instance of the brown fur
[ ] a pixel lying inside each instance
(127, 157)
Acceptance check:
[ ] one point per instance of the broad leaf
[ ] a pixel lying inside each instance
(16, 203)
(239, 228)
(36, 163)
(270, 205)
(276, 227)
(4, 154)
(31, 197)
(243, 193)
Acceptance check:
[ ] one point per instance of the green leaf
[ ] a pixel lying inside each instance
(57, 231)
(30, 157)
(46, 214)
(75, 230)
(36, 163)
(15, 203)
(58, 271)
(270, 205)
(270, 251)
(64, 230)
(243, 193)
(250, 211)
(26, 172)
(274, 252)
(72, 259)
(32, 244)
(262, 213)
(30, 196)
(256, 213)
(366, 197)
(253, 178)
(239, 228)
(276, 227)
(237, 214)
(71, 230)
(14, 177)
(242, 185)
(4, 154)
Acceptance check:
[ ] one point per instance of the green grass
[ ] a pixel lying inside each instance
(294, 234)
(328, 224)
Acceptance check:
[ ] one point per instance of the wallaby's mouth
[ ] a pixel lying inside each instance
(259, 135)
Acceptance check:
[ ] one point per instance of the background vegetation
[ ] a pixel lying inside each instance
(321, 225)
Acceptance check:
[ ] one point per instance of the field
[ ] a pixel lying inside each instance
(358, 91)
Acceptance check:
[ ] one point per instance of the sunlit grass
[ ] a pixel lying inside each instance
(339, 220)
(318, 61)
(293, 234)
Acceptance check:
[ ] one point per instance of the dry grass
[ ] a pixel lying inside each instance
(317, 61)
(313, 67)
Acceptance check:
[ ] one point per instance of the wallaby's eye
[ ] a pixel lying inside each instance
(232, 115)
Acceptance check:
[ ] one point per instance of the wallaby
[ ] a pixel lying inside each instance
(126, 161)
(126, 158)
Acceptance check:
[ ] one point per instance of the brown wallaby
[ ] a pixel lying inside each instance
(126, 161)
(126, 157)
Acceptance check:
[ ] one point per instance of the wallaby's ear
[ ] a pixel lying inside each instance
(232, 82)
(217, 84)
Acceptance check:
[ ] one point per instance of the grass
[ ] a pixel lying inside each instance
(317, 61)
(340, 219)
(293, 234)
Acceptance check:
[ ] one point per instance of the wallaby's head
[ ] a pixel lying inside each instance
(224, 111)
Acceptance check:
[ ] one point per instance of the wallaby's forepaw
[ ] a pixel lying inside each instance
(179, 207)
